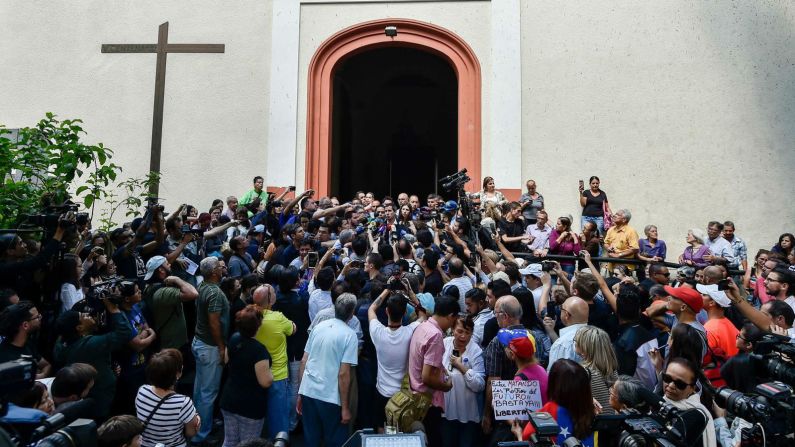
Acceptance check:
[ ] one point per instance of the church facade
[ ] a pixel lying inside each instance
(684, 110)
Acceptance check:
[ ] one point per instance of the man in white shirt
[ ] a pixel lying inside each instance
(391, 346)
(477, 307)
(330, 353)
(539, 234)
(718, 246)
(458, 280)
(532, 277)
(574, 314)
(320, 291)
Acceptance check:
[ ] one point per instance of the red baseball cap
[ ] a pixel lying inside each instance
(523, 347)
(689, 296)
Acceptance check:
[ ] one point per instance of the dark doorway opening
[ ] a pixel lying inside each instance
(394, 123)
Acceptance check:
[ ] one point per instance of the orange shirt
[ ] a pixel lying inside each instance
(722, 334)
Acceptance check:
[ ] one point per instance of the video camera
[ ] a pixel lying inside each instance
(665, 425)
(454, 182)
(545, 430)
(771, 409)
(470, 212)
(774, 356)
(54, 431)
(113, 289)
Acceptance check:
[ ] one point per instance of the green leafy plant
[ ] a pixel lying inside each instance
(132, 200)
(45, 164)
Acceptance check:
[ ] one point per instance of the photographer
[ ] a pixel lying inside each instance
(16, 269)
(679, 384)
(78, 344)
(130, 247)
(17, 323)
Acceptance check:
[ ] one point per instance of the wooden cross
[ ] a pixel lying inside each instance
(162, 48)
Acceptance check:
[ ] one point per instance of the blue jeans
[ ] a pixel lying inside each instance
(294, 369)
(322, 423)
(599, 221)
(206, 384)
(278, 407)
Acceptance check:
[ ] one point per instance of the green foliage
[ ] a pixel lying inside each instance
(45, 164)
(135, 191)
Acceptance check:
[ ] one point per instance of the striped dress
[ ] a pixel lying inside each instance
(167, 426)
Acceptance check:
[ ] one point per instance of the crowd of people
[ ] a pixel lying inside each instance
(266, 315)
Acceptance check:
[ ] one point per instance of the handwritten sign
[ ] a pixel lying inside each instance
(515, 399)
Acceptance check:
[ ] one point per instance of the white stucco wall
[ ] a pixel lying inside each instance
(468, 19)
(683, 109)
(215, 119)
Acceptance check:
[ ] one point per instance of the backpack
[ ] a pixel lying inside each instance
(406, 407)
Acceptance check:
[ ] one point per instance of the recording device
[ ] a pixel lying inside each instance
(470, 213)
(393, 237)
(58, 430)
(665, 425)
(395, 283)
(771, 408)
(455, 354)
(439, 225)
(551, 308)
(49, 218)
(723, 284)
(186, 229)
(773, 357)
(112, 289)
(425, 214)
(547, 266)
(582, 184)
(311, 259)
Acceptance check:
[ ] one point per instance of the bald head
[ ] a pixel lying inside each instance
(712, 275)
(511, 311)
(576, 309)
(262, 296)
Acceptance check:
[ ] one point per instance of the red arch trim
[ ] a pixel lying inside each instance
(370, 35)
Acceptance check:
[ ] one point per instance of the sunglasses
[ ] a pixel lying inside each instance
(677, 383)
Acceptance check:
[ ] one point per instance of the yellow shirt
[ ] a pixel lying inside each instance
(621, 239)
(273, 335)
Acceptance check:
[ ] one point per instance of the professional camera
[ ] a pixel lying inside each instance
(545, 430)
(54, 431)
(771, 409)
(469, 211)
(664, 426)
(113, 289)
(49, 217)
(186, 229)
(454, 182)
(774, 356)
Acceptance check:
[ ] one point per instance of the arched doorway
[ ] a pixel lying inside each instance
(370, 36)
(394, 122)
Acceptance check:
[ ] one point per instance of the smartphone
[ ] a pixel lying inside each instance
(311, 259)
(723, 284)
(99, 251)
(582, 184)
(551, 308)
(291, 188)
(456, 354)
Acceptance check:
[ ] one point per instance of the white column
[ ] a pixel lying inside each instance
(282, 114)
(505, 110)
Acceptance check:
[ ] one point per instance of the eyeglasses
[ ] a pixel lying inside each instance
(37, 317)
(563, 309)
(680, 384)
(772, 280)
(666, 274)
(740, 337)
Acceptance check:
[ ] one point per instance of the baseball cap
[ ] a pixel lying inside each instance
(257, 229)
(450, 205)
(506, 335)
(153, 264)
(689, 296)
(719, 296)
(531, 269)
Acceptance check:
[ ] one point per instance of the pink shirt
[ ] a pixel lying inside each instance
(535, 372)
(426, 348)
(761, 291)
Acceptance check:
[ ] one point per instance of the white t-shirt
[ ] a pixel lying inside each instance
(392, 347)
(69, 296)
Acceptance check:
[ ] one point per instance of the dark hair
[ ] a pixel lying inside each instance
(499, 288)
(359, 245)
(785, 276)
(778, 308)
(686, 342)
(486, 181)
(324, 278)
(288, 279)
(385, 250)
(12, 317)
(228, 286)
(248, 281)
(752, 333)
(424, 237)
(376, 260)
(715, 223)
(430, 258)
(72, 380)
(29, 398)
(586, 286)
(5, 297)
(446, 305)
(67, 270)
(628, 302)
(248, 321)
(593, 177)
(164, 368)
(403, 248)
(512, 270)
(119, 430)
(257, 178)
(568, 383)
(456, 267)
(566, 222)
(476, 294)
(467, 323)
(396, 307)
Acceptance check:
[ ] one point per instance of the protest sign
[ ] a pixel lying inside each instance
(513, 399)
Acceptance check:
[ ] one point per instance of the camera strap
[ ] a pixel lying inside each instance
(157, 407)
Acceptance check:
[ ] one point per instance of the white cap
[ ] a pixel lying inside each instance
(711, 290)
(531, 269)
(153, 264)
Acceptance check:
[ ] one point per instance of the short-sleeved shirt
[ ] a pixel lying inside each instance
(721, 333)
(168, 423)
(534, 206)
(273, 335)
(426, 348)
(242, 394)
(165, 305)
(330, 344)
(392, 349)
(211, 300)
(132, 266)
(594, 205)
(10, 352)
(622, 238)
(133, 359)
